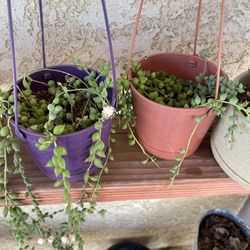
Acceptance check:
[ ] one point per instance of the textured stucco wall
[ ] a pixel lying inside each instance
(77, 28)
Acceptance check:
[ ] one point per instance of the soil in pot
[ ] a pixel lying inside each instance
(246, 95)
(220, 233)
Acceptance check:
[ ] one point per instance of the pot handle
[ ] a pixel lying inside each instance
(105, 13)
(13, 58)
(14, 71)
(135, 32)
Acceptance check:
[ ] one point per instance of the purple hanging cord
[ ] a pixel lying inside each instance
(42, 32)
(14, 77)
(110, 50)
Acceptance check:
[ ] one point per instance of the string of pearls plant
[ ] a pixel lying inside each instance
(167, 89)
(70, 106)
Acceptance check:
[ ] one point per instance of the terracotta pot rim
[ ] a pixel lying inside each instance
(165, 106)
(174, 53)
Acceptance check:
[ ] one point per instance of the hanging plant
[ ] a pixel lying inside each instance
(62, 114)
(167, 90)
(173, 99)
(58, 108)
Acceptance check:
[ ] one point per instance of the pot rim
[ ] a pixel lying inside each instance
(227, 214)
(26, 131)
(165, 106)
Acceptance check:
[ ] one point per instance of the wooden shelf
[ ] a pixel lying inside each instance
(128, 179)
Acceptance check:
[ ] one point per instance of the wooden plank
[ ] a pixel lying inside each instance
(128, 179)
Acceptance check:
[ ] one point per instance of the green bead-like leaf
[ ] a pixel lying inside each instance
(95, 136)
(104, 93)
(58, 162)
(50, 164)
(197, 100)
(132, 142)
(98, 125)
(50, 107)
(58, 109)
(100, 145)
(58, 130)
(101, 153)
(15, 145)
(66, 173)
(56, 100)
(2, 189)
(44, 146)
(248, 118)
(57, 171)
(5, 131)
(86, 177)
(5, 212)
(182, 151)
(58, 183)
(223, 96)
(25, 83)
(52, 116)
(66, 195)
(233, 100)
(66, 184)
(174, 170)
(98, 163)
(106, 170)
(94, 178)
(60, 151)
(13, 196)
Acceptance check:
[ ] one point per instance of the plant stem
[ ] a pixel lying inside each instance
(177, 168)
(100, 175)
(141, 147)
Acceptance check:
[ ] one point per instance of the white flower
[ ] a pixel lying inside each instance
(40, 241)
(64, 240)
(72, 238)
(108, 112)
(50, 239)
(76, 206)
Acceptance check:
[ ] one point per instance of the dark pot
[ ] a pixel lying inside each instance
(237, 221)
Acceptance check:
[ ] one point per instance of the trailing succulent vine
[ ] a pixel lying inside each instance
(167, 89)
(56, 109)
(125, 114)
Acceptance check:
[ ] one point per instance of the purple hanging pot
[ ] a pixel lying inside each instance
(77, 143)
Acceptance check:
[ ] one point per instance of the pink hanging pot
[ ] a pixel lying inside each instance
(164, 130)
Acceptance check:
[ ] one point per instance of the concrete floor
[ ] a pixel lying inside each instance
(169, 224)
